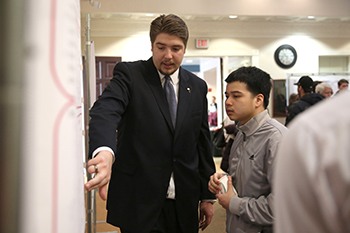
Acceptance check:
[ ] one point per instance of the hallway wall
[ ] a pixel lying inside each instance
(309, 49)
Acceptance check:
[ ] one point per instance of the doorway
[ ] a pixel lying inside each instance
(210, 70)
(214, 70)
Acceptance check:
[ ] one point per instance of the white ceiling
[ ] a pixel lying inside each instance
(106, 22)
(126, 24)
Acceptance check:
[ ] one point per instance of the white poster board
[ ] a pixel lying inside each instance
(52, 193)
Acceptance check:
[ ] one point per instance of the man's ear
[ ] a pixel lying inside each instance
(259, 100)
(300, 89)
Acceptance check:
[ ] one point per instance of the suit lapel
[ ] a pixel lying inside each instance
(153, 81)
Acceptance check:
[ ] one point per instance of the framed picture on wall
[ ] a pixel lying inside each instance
(279, 102)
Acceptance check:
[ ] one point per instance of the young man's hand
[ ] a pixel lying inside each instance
(214, 183)
(224, 199)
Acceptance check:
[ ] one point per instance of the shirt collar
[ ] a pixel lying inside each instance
(174, 77)
(254, 124)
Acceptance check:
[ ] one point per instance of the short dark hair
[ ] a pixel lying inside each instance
(341, 81)
(257, 80)
(170, 24)
(314, 85)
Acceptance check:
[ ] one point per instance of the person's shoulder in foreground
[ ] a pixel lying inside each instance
(312, 172)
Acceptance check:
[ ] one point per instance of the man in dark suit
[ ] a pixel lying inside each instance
(160, 169)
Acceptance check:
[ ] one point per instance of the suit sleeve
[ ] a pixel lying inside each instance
(206, 163)
(107, 111)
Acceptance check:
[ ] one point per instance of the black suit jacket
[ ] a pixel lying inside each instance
(149, 149)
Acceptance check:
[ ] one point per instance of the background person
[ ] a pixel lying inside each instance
(343, 85)
(306, 98)
(315, 85)
(292, 98)
(213, 112)
(324, 89)
(230, 134)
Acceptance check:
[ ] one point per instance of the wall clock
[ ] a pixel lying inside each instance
(285, 56)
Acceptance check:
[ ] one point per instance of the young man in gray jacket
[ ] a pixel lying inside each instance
(252, 157)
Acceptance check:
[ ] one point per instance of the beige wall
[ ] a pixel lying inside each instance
(262, 49)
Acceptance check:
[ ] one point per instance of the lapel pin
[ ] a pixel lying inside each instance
(189, 90)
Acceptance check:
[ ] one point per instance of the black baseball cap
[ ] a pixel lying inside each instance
(306, 83)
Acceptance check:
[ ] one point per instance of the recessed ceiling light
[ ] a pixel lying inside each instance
(233, 16)
(149, 14)
(311, 17)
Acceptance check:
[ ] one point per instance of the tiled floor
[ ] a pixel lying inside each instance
(217, 225)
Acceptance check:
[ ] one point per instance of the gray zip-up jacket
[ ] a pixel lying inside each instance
(251, 165)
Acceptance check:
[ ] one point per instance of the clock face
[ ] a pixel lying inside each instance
(285, 56)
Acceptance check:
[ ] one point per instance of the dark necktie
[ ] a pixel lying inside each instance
(171, 98)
